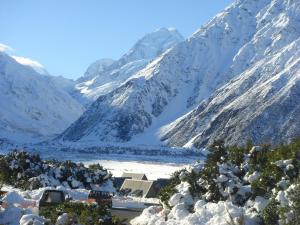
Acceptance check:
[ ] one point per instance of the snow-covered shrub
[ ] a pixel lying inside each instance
(270, 214)
(4, 172)
(78, 213)
(166, 192)
(29, 171)
(30, 219)
(237, 154)
(290, 205)
(257, 184)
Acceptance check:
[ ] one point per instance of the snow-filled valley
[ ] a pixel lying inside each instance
(155, 162)
(153, 170)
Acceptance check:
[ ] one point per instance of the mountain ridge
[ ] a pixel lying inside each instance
(101, 81)
(231, 43)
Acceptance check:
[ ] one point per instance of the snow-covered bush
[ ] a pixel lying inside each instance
(20, 207)
(30, 219)
(289, 204)
(78, 213)
(270, 214)
(166, 193)
(29, 171)
(249, 185)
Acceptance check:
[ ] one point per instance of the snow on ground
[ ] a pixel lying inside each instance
(20, 207)
(152, 134)
(205, 214)
(153, 170)
(18, 203)
(154, 161)
(129, 202)
(160, 165)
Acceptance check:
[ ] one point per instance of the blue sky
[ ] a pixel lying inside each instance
(68, 35)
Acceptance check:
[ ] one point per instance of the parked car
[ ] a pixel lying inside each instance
(102, 198)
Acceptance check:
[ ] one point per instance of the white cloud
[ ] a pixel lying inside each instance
(5, 48)
(38, 67)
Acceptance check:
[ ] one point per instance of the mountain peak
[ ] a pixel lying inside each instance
(167, 29)
(98, 67)
(105, 75)
(153, 44)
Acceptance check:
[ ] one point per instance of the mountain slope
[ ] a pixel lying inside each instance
(263, 102)
(180, 78)
(31, 105)
(39, 68)
(96, 68)
(106, 75)
(152, 45)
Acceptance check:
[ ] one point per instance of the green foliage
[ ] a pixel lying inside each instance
(79, 213)
(21, 169)
(259, 159)
(249, 144)
(236, 155)
(270, 176)
(195, 189)
(96, 167)
(293, 209)
(218, 153)
(288, 151)
(166, 192)
(264, 162)
(270, 214)
(4, 172)
(262, 159)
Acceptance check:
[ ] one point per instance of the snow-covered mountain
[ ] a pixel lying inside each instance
(152, 45)
(61, 82)
(106, 75)
(38, 67)
(237, 77)
(262, 102)
(96, 68)
(31, 104)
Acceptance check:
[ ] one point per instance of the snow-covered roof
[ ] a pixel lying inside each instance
(135, 176)
(149, 188)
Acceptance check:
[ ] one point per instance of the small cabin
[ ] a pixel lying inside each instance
(135, 176)
(141, 188)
